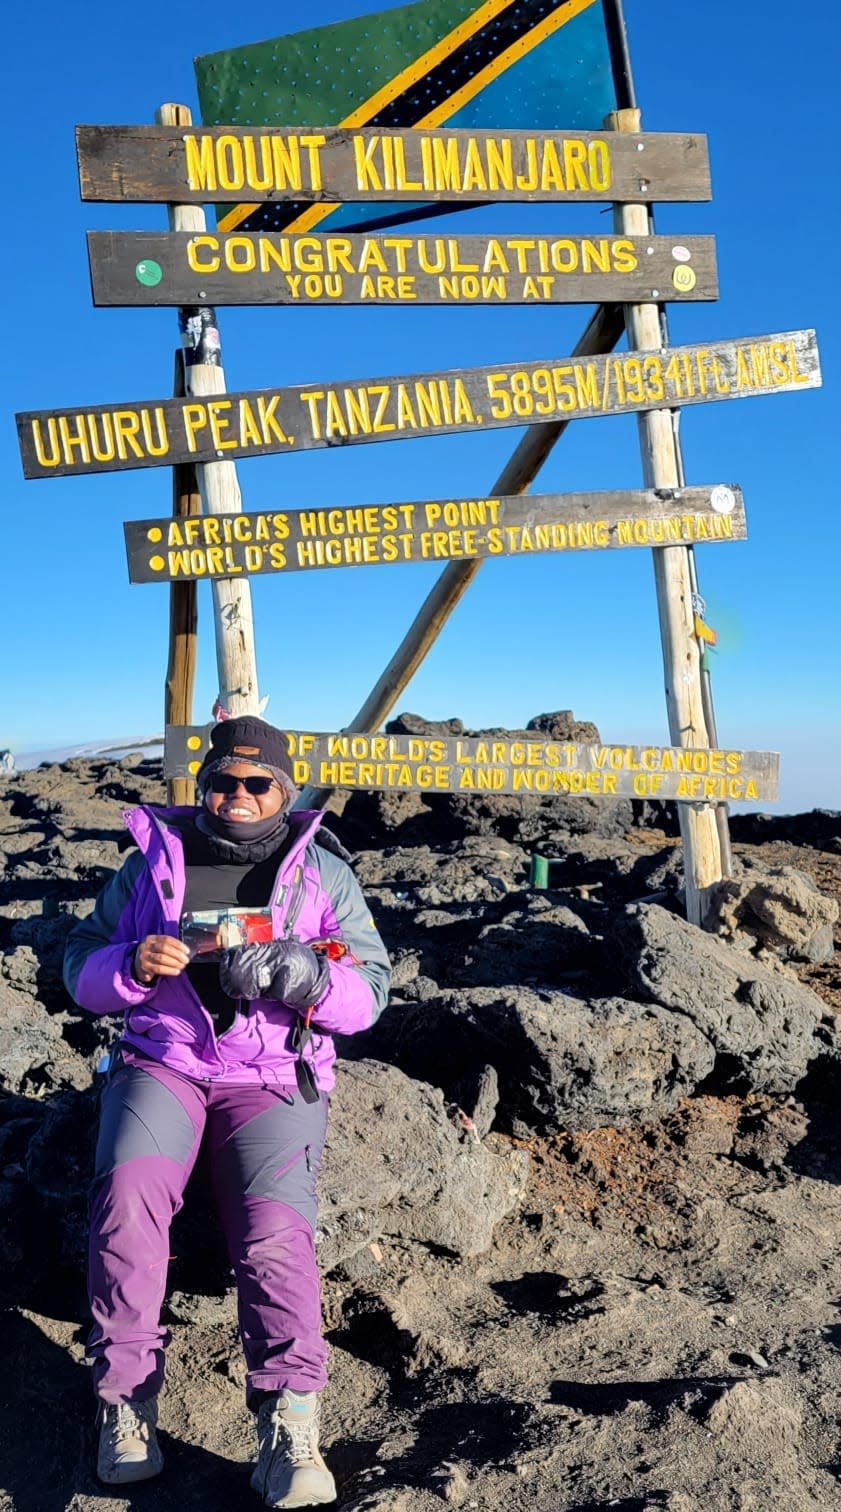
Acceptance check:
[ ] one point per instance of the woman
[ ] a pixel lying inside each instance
(236, 941)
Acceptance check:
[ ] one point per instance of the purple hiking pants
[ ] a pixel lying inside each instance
(265, 1146)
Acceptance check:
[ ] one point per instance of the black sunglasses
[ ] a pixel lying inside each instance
(225, 782)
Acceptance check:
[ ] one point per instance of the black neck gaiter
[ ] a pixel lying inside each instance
(234, 840)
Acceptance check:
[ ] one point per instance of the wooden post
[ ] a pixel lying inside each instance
(183, 615)
(217, 481)
(672, 574)
(601, 334)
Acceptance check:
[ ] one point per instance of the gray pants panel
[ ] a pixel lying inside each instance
(277, 1154)
(140, 1116)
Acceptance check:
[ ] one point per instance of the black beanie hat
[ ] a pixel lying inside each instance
(246, 738)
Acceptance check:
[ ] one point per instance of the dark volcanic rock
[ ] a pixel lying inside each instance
(46, 1159)
(760, 1022)
(540, 942)
(561, 1062)
(34, 1054)
(820, 828)
(776, 908)
(396, 1165)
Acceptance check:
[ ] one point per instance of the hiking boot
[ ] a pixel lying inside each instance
(290, 1471)
(128, 1445)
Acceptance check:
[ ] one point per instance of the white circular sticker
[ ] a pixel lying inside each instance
(723, 499)
(681, 254)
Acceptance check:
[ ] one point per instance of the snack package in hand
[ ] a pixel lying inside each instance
(208, 932)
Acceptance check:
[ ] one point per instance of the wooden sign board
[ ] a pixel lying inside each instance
(183, 268)
(159, 433)
(433, 530)
(326, 164)
(500, 765)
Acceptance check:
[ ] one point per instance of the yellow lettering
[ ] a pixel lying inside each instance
(104, 450)
(624, 256)
(269, 425)
(500, 164)
(445, 164)
(194, 245)
(230, 168)
(367, 176)
(598, 165)
(195, 419)
(406, 417)
(372, 257)
(286, 161)
(495, 257)
(474, 168)
(249, 431)
(575, 161)
(380, 424)
(220, 422)
(551, 172)
(157, 445)
(51, 457)
(200, 163)
(313, 145)
(336, 423)
(262, 177)
(126, 427)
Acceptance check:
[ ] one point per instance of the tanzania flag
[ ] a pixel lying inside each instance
(516, 64)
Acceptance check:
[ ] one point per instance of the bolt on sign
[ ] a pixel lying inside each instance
(495, 765)
(432, 530)
(466, 64)
(169, 163)
(183, 268)
(158, 433)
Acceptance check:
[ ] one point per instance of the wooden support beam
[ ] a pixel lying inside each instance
(183, 617)
(672, 575)
(217, 481)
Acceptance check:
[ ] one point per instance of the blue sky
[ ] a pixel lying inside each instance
(533, 634)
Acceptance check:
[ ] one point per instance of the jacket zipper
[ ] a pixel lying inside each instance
(299, 893)
(164, 839)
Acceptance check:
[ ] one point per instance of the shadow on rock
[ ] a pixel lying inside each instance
(478, 1434)
(645, 1503)
(815, 1149)
(370, 1332)
(694, 1394)
(46, 1182)
(548, 1294)
(50, 1439)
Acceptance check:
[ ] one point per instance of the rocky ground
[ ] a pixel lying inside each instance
(581, 1202)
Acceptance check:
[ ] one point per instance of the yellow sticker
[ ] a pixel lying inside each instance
(193, 766)
(684, 278)
(193, 742)
(157, 563)
(155, 534)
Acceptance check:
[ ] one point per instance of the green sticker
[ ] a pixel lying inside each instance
(148, 273)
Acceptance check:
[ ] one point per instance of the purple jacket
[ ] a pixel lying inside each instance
(315, 896)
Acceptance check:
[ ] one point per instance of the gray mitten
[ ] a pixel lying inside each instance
(284, 969)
